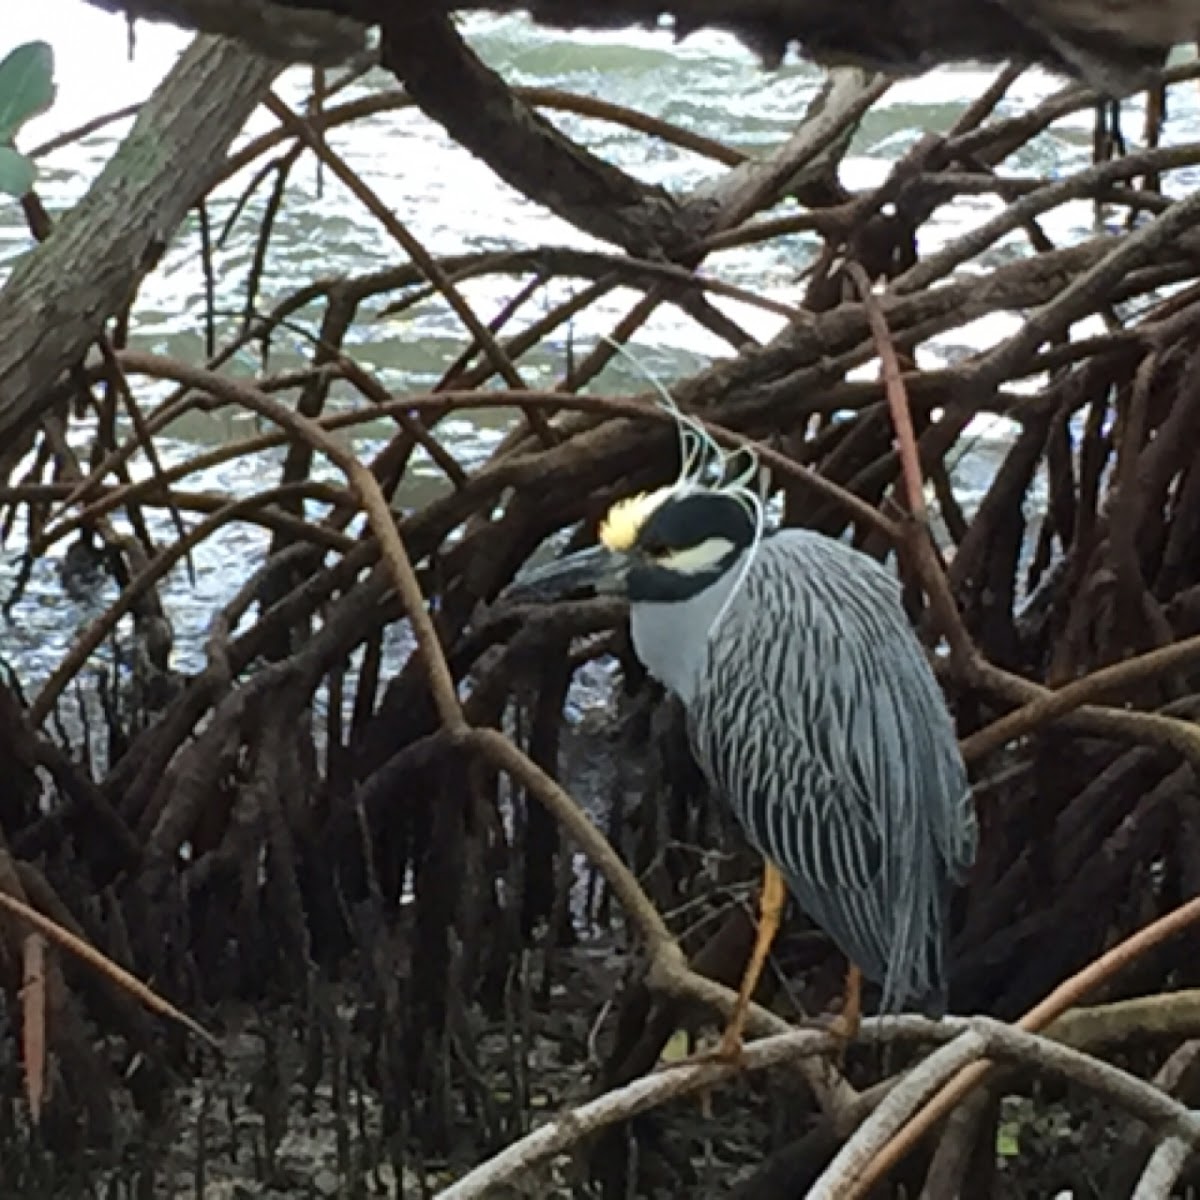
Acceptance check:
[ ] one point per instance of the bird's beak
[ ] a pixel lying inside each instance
(594, 571)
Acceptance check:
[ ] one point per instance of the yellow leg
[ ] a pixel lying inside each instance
(848, 1022)
(770, 914)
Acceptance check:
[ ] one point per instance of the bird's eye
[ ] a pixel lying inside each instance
(655, 549)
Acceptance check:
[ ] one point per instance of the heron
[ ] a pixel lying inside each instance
(813, 711)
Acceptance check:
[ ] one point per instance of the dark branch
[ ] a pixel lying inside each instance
(275, 30)
(1115, 47)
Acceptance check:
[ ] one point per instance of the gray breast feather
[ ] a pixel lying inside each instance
(816, 715)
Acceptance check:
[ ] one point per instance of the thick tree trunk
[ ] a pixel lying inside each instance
(59, 296)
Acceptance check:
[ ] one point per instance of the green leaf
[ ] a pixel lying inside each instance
(678, 1048)
(26, 86)
(1008, 1139)
(17, 173)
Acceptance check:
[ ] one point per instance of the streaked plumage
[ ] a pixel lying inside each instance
(814, 713)
(812, 710)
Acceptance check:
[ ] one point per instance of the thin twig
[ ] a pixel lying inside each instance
(411, 246)
(105, 966)
(897, 396)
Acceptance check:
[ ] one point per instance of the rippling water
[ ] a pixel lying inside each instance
(454, 204)
(450, 200)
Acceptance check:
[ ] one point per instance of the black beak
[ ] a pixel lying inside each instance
(594, 571)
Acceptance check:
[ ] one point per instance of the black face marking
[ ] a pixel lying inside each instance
(678, 525)
(693, 519)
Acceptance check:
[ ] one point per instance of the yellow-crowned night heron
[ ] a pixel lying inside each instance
(812, 710)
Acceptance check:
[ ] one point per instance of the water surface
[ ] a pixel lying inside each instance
(455, 205)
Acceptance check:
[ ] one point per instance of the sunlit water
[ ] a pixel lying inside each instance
(454, 204)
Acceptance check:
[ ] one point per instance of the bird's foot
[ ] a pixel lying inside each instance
(726, 1053)
(846, 1024)
(844, 1028)
(729, 1048)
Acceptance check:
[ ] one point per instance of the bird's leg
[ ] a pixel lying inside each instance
(770, 913)
(848, 1022)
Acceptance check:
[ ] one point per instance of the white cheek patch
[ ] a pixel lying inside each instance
(694, 560)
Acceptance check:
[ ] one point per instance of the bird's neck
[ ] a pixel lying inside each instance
(671, 638)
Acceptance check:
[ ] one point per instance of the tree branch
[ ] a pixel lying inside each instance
(856, 1174)
(967, 1040)
(120, 228)
(277, 31)
(1116, 47)
(666, 1084)
(985, 1040)
(1164, 1168)
(455, 88)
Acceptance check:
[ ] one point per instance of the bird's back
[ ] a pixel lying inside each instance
(816, 714)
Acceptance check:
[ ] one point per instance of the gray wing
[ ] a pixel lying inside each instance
(819, 720)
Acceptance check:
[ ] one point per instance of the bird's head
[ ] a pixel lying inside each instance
(664, 546)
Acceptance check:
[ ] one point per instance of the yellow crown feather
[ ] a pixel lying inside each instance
(620, 528)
